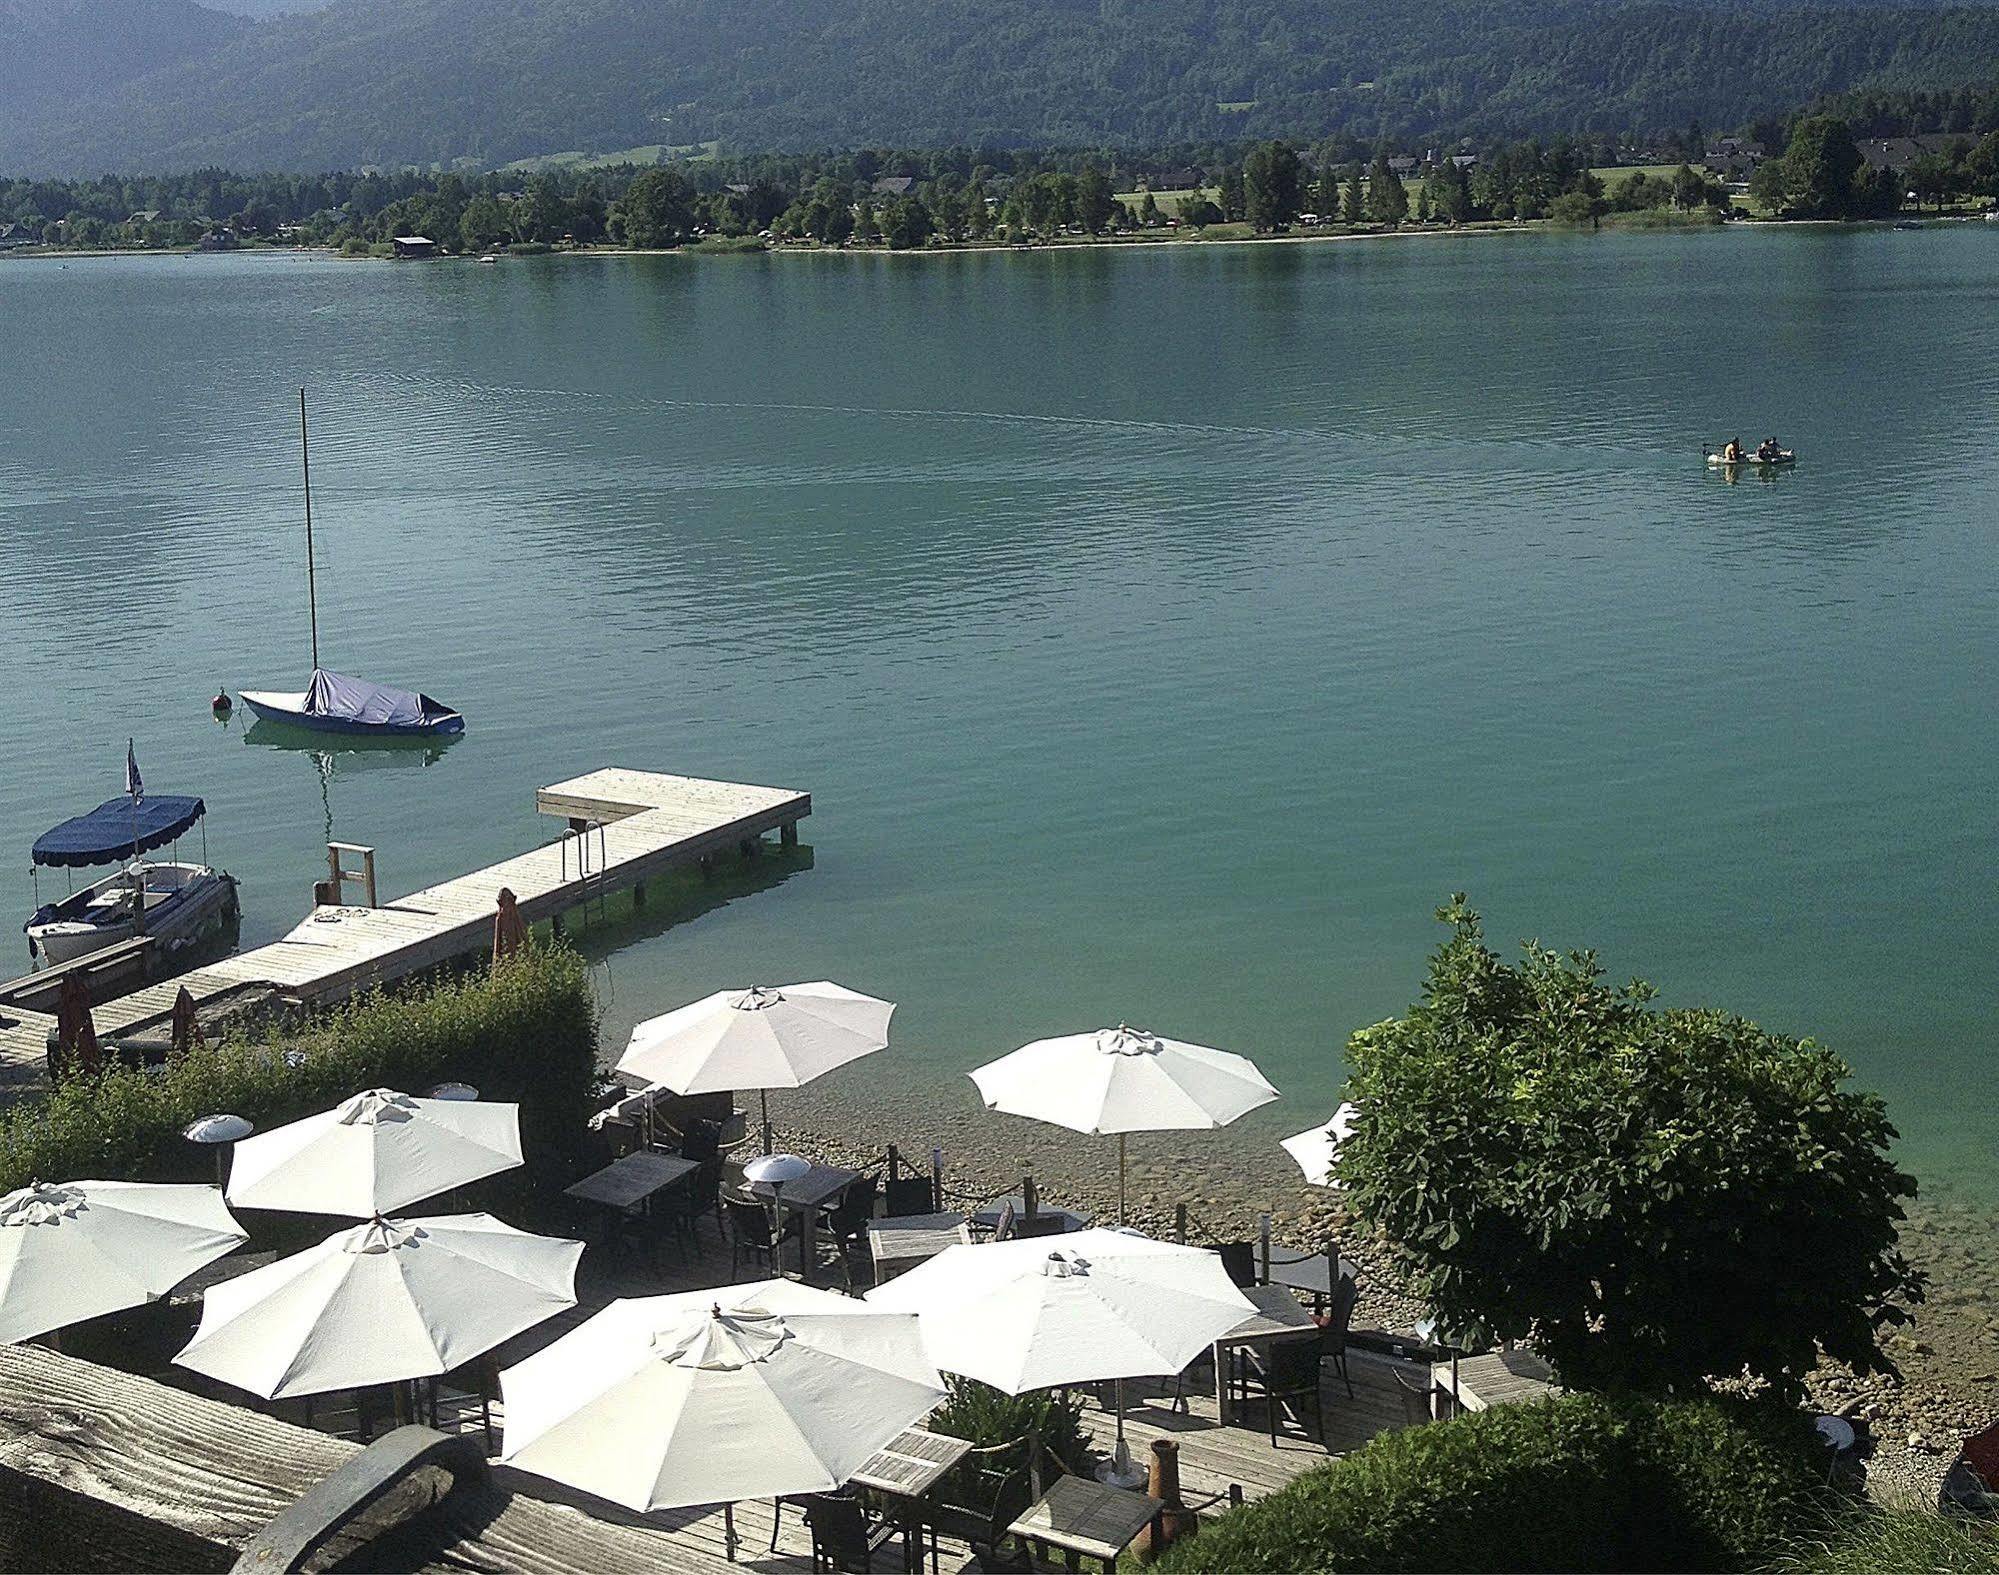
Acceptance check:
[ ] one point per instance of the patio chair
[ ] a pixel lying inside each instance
(843, 1538)
(1003, 1226)
(908, 1195)
(1339, 1317)
(1238, 1261)
(981, 1499)
(1285, 1376)
(1039, 1225)
(847, 1221)
(750, 1232)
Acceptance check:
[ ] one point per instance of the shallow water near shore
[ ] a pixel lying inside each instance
(1162, 632)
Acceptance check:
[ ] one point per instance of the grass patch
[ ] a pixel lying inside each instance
(726, 245)
(1226, 232)
(1867, 1540)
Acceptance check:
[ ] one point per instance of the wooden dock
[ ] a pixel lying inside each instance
(623, 828)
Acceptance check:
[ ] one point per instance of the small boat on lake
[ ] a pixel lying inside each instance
(335, 703)
(1783, 456)
(177, 904)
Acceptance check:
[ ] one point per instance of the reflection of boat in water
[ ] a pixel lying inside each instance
(177, 904)
(350, 751)
(332, 702)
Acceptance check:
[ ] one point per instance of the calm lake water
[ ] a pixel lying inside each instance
(1162, 634)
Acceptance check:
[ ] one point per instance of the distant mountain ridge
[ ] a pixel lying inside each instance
(394, 82)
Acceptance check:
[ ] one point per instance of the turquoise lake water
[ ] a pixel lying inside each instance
(1162, 633)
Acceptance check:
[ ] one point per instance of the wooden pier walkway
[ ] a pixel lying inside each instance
(624, 828)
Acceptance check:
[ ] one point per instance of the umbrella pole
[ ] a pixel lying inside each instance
(763, 1099)
(1120, 1220)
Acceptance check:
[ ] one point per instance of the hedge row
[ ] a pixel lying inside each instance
(525, 1031)
(1581, 1482)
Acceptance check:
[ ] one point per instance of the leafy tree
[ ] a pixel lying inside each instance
(1657, 1196)
(658, 209)
(1689, 189)
(484, 223)
(1230, 196)
(1195, 208)
(1273, 184)
(1387, 197)
(1452, 193)
(907, 223)
(1819, 168)
(1770, 186)
(865, 227)
(1423, 203)
(978, 217)
(1094, 200)
(1148, 210)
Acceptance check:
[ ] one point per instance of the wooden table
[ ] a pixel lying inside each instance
(626, 1183)
(911, 1463)
(1277, 1317)
(807, 1197)
(1475, 1383)
(1087, 1519)
(904, 1241)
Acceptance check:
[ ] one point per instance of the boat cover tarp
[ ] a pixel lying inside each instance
(357, 700)
(118, 829)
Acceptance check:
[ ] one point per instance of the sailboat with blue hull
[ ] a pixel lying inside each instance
(333, 702)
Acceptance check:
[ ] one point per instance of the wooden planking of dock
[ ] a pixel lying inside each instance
(623, 828)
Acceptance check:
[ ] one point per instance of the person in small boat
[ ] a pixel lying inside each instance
(1732, 451)
(1768, 450)
(221, 702)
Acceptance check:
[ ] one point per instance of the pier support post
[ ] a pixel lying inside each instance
(787, 834)
(638, 894)
(750, 847)
(707, 866)
(555, 925)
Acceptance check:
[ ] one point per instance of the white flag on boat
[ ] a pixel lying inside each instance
(134, 784)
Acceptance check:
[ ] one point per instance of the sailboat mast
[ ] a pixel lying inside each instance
(311, 588)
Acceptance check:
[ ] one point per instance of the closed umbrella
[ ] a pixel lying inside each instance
(76, 1034)
(379, 1303)
(762, 1038)
(374, 1153)
(1123, 1080)
(83, 1248)
(186, 1023)
(510, 931)
(706, 1397)
(1042, 1312)
(1315, 1147)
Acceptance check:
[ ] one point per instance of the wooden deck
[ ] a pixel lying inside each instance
(625, 828)
(217, 1472)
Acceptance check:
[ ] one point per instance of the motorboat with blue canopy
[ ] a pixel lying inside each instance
(336, 703)
(118, 829)
(177, 904)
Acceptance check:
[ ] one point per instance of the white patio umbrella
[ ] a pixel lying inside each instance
(374, 1153)
(706, 1397)
(1123, 1080)
(1314, 1148)
(83, 1248)
(1093, 1305)
(379, 1303)
(762, 1038)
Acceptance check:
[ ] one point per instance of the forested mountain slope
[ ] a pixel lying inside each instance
(394, 81)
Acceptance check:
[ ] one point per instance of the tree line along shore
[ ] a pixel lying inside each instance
(960, 197)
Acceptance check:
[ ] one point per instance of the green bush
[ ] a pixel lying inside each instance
(988, 1417)
(524, 1032)
(1866, 1540)
(1582, 1482)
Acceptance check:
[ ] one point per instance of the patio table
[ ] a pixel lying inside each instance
(900, 1243)
(1086, 1518)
